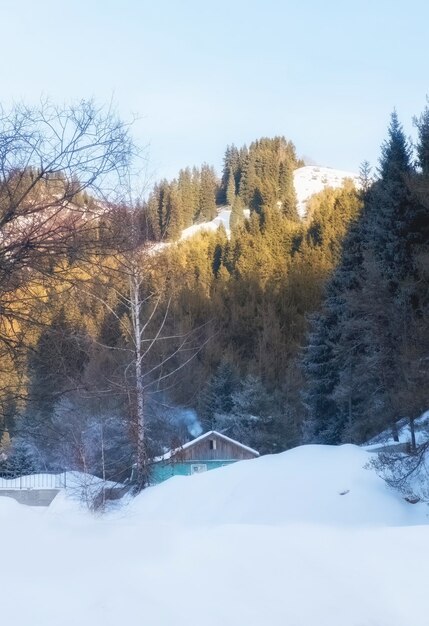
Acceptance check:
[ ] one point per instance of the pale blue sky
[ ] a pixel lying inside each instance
(202, 75)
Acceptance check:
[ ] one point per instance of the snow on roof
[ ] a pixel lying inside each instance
(170, 453)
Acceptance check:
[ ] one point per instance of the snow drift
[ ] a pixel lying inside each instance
(306, 538)
(309, 484)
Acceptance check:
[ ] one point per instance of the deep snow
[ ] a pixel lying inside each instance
(305, 538)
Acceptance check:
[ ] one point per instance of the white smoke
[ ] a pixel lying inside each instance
(189, 417)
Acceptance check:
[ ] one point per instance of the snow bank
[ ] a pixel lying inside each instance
(306, 485)
(267, 541)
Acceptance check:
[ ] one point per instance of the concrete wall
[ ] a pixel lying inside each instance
(31, 497)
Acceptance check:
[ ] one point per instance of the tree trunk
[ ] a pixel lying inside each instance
(413, 435)
(140, 417)
(395, 433)
(103, 467)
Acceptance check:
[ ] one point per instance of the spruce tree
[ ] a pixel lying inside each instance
(395, 158)
(187, 197)
(321, 424)
(230, 190)
(391, 205)
(237, 213)
(358, 348)
(207, 199)
(365, 176)
(287, 191)
(216, 400)
(422, 124)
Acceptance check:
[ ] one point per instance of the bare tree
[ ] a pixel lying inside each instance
(153, 348)
(64, 171)
(50, 159)
(153, 353)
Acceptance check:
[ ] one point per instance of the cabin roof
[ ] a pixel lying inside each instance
(210, 433)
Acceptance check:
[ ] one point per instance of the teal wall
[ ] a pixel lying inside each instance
(163, 469)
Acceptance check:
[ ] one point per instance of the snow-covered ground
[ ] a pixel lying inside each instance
(222, 219)
(312, 179)
(305, 538)
(385, 438)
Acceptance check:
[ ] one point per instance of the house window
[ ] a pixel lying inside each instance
(198, 468)
(212, 444)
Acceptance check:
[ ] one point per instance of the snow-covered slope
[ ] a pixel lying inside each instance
(385, 439)
(222, 218)
(312, 179)
(307, 538)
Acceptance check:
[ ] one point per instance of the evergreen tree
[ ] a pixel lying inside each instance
(216, 400)
(422, 124)
(56, 367)
(365, 176)
(4, 443)
(230, 190)
(237, 213)
(358, 344)
(8, 413)
(322, 424)
(232, 165)
(267, 176)
(166, 210)
(258, 416)
(157, 210)
(175, 222)
(188, 198)
(391, 205)
(208, 189)
(287, 193)
(20, 461)
(395, 159)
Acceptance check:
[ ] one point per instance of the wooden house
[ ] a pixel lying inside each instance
(208, 451)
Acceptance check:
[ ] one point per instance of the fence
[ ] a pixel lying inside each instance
(35, 481)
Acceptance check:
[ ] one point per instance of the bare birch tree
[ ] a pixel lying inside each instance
(145, 328)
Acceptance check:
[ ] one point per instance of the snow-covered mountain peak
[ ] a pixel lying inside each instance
(312, 179)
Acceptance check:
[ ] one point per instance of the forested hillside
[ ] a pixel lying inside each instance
(366, 359)
(288, 330)
(259, 177)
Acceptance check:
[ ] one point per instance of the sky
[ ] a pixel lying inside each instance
(198, 76)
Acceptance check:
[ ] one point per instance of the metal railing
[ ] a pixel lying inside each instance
(35, 481)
